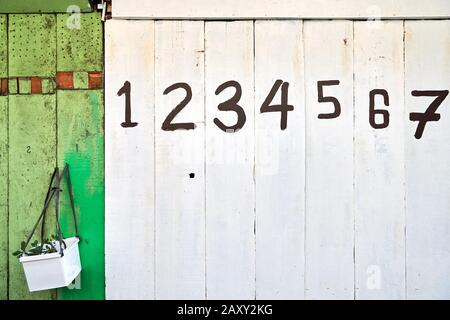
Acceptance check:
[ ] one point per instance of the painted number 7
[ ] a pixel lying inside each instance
(429, 114)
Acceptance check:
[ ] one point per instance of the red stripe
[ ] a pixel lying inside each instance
(36, 85)
(64, 80)
(95, 80)
(4, 87)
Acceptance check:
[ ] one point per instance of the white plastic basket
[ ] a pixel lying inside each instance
(50, 270)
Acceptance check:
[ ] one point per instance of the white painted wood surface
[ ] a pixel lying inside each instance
(379, 163)
(329, 163)
(279, 159)
(265, 9)
(427, 67)
(317, 211)
(230, 190)
(180, 199)
(129, 161)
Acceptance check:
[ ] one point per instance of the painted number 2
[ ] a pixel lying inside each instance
(167, 124)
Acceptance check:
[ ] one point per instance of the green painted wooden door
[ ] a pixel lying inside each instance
(51, 113)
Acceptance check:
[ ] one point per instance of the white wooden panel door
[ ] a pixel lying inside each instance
(427, 68)
(129, 160)
(279, 160)
(180, 158)
(211, 193)
(379, 161)
(230, 194)
(329, 159)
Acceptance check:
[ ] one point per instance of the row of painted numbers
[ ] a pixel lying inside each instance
(284, 107)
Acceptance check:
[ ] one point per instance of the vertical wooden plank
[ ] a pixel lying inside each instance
(129, 161)
(427, 67)
(3, 161)
(81, 145)
(230, 195)
(329, 162)
(32, 133)
(180, 159)
(379, 162)
(279, 164)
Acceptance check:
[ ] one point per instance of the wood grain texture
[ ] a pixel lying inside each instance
(279, 163)
(329, 161)
(3, 163)
(279, 9)
(427, 67)
(230, 194)
(180, 163)
(129, 162)
(379, 163)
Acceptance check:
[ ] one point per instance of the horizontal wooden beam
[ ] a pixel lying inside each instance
(44, 6)
(280, 9)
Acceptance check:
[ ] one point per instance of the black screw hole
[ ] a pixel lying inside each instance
(191, 175)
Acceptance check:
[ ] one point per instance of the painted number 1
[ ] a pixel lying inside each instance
(126, 89)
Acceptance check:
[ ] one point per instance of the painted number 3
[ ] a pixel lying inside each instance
(232, 104)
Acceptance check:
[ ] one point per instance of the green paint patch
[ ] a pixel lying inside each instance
(24, 86)
(80, 80)
(81, 145)
(12, 86)
(48, 86)
(42, 6)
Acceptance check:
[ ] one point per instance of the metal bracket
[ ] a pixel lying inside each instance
(106, 7)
